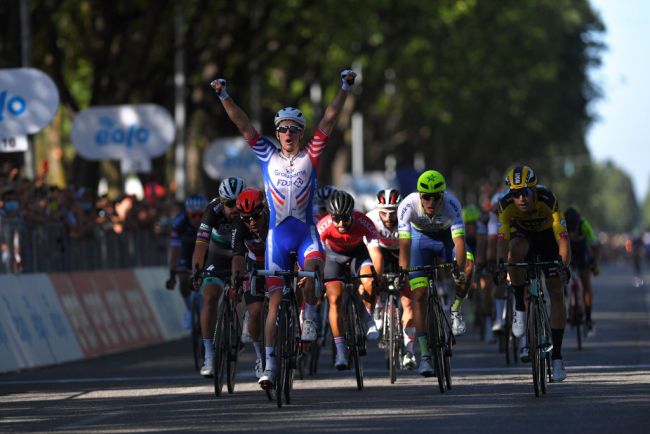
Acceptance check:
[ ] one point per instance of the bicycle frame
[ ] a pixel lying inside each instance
(441, 339)
(539, 336)
(288, 331)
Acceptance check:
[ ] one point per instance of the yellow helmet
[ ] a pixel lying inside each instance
(431, 181)
(520, 177)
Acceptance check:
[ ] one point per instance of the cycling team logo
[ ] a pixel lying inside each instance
(110, 135)
(11, 105)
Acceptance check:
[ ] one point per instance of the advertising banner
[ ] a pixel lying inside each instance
(125, 132)
(231, 156)
(14, 144)
(29, 100)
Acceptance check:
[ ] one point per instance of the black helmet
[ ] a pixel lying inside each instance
(572, 218)
(341, 203)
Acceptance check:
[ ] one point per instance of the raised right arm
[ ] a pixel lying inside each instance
(235, 113)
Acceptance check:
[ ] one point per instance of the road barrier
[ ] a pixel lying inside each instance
(48, 319)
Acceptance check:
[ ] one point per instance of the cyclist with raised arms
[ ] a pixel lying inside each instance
(181, 246)
(384, 216)
(430, 226)
(531, 224)
(290, 179)
(214, 241)
(585, 256)
(249, 245)
(349, 237)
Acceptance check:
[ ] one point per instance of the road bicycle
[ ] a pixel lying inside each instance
(392, 333)
(288, 347)
(441, 340)
(538, 325)
(227, 333)
(353, 313)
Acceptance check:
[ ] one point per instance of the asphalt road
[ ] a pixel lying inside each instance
(156, 389)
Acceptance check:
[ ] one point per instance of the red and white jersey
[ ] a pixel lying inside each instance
(387, 237)
(361, 230)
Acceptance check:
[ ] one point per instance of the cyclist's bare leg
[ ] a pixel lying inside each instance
(308, 289)
(211, 295)
(254, 313)
(333, 290)
(269, 328)
(558, 307)
(366, 289)
(407, 322)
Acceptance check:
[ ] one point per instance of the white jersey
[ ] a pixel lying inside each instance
(448, 216)
(387, 237)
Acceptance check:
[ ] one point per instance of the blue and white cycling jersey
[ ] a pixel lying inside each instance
(290, 182)
(290, 186)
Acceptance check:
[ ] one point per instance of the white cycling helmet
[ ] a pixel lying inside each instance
(388, 199)
(291, 114)
(231, 187)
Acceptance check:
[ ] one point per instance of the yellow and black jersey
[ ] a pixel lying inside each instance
(545, 215)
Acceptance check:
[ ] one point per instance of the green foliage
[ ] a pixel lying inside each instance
(473, 85)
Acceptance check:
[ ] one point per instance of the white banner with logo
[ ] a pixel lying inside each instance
(125, 132)
(14, 144)
(29, 100)
(231, 156)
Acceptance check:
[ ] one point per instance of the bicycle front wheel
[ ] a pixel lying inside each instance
(197, 338)
(435, 345)
(281, 353)
(393, 340)
(534, 347)
(355, 331)
(221, 347)
(235, 329)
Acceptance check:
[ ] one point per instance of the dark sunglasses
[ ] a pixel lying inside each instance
(431, 196)
(341, 218)
(197, 214)
(291, 128)
(251, 217)
(520, 192)
(229, 203)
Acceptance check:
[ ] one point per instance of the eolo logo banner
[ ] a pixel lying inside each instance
(28, 101)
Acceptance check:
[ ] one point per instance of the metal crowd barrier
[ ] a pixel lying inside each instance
(50, 248)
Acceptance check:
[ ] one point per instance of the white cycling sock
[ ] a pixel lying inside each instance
(209, 348)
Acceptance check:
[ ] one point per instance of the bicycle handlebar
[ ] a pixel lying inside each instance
(504, 265)
(284, 273)
(445, 266)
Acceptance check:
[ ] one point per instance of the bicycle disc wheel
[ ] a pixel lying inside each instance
(534, 348)
(233, 349)
(221, 345)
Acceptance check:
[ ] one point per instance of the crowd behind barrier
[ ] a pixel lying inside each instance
(44, 228)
